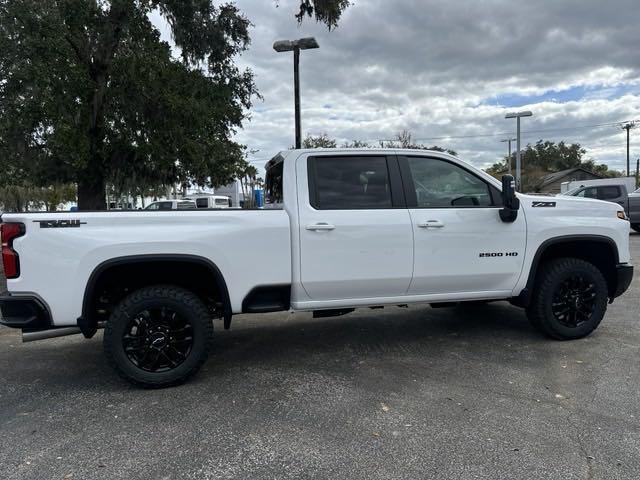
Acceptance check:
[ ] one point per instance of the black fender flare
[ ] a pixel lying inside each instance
(88, 325)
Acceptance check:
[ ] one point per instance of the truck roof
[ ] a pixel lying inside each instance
(294, 153)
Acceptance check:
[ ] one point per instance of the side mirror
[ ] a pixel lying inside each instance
(511, 203)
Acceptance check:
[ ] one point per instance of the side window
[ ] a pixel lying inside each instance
(441, 184)
(349, 182)
(153, 206)
(609, 192)
(273, 192)
(202, 202)
(165, 205)
(222, 201)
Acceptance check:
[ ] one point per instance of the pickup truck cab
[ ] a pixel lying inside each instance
(341, 229)
(616, 193)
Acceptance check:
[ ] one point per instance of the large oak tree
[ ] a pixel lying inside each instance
(90, 94)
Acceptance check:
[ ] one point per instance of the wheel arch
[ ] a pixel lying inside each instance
(181, 263)
(584, 247)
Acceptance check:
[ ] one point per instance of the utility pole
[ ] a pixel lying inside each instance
(628, 127)
(509, 140)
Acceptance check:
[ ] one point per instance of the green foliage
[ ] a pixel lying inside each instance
(356, 144)
(323, 11)
(402, 140)
(320, 141)
(249, 181)
(91, 95)
(548, 157)
(19, 198)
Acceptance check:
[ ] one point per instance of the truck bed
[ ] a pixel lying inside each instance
(249, 247)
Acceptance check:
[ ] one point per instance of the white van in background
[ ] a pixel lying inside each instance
(210, 201)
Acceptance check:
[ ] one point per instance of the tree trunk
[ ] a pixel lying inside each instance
(91, 190)
(91, 180)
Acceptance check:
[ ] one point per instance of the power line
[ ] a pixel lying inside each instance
(486, 135)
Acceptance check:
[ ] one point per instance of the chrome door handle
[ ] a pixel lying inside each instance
(320, 226)
(431, 224)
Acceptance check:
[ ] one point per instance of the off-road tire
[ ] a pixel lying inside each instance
(178, 299)
(549, 280)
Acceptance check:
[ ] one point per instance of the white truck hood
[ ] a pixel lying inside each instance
(578, 205)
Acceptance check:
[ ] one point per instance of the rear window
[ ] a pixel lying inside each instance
(273, 192)
(609, 192)
(349, 182)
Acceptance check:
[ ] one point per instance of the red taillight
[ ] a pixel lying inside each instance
(10, 260)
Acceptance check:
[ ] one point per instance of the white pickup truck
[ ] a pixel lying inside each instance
(342, 229)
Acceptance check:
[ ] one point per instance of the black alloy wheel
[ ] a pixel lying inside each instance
(574, 301)
(158, 339)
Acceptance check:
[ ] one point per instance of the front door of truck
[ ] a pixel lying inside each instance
(356, 237)
(461, 245)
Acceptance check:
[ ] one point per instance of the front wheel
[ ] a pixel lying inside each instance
(569, 299)
(158, 336)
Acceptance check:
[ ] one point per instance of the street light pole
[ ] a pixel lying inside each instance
(509, 140)
(296, 93)
(517, 116)
(296, 46)
(518, 161)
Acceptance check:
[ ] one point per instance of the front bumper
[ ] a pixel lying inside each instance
(624, 275)
(28, 313)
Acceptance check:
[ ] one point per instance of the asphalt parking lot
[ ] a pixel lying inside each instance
(464, 393)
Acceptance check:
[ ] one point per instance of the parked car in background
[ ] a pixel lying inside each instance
(172, 205)
(210, 201)
(616, 193)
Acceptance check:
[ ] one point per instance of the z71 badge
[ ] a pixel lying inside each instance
(59, 223)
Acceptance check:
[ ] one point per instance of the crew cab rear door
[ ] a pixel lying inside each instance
(461, 245)
(356, 237)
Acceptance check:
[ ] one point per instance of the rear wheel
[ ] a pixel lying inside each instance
(569, 299)
(158, 336)
(636, 226)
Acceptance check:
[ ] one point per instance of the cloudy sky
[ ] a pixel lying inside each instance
(449, 71)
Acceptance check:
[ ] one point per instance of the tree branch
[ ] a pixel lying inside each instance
(82, 54)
